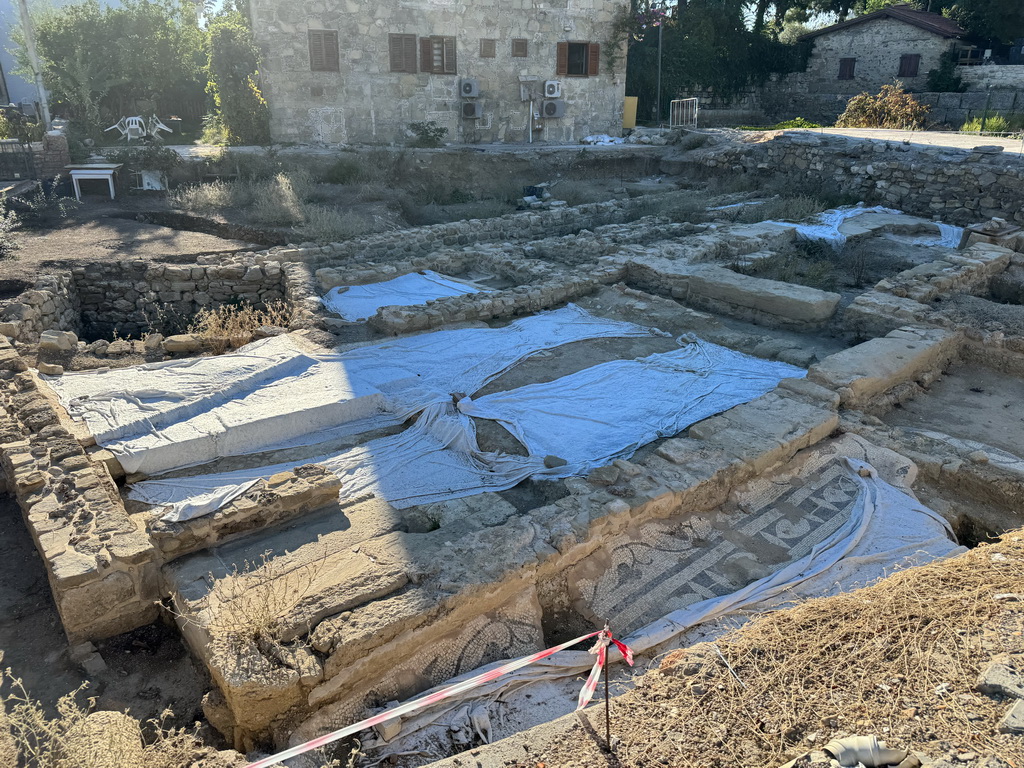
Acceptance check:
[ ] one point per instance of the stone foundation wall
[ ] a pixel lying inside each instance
(422, 241)
(52, 303)
(130, 298)
(959, 186)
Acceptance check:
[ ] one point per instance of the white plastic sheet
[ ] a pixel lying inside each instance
(598, 414)
(359, 302)
(588, 418)
(825, 228)
(271, 394)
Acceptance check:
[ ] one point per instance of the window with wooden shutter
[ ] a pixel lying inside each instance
(402, 53)
(520, 48)
(575, 61)
(910, 65)
(437, 55)
(488, 48)
(846, 68)
(323, 50)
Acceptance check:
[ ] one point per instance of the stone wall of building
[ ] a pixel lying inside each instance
(365, 102)
(877, 47)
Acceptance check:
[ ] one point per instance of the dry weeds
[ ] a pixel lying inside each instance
(230, 326)
(898, 659)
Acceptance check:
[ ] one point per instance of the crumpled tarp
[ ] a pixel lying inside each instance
(825, 228)
(601, 413)
(359, 302)
(272, 394)
(588, 418)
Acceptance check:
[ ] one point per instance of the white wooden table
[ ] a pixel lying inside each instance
(93, 171)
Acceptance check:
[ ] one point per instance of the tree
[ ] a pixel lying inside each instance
(101, 63)
(233, 70)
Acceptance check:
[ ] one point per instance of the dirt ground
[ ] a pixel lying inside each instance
(148, 670)
(97, 232)
(971, 403)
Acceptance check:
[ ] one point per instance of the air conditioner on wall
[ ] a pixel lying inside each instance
(553, 108)
(472, 110)
(552, 89)
(469, 88)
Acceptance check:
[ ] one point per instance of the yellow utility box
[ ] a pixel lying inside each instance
(629, 114)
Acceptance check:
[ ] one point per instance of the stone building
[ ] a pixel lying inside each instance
(867, 52)
(347, 71)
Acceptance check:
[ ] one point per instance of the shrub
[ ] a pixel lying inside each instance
(945, 79)
(149, 158)
(47, 203)
(427, 134)
(14, 125)
(995, 123)
(230, 326)
(346, 170)
(9, 222)
(797, 122)
(323, 224)
(891, 108)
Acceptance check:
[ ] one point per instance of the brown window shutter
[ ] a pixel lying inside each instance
(562, 59)
(520, 48)
(316, 50)
(488, 48)
(909, 65)
(426, 55)
(409, 53)
(593, 59)
(449, 56)
(396, 53)
(332, 61)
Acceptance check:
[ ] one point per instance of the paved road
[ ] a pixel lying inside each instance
(922, 138)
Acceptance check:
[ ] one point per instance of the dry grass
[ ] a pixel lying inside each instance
(898, 659)
(230, 326)
(249, 604)
(78, 737)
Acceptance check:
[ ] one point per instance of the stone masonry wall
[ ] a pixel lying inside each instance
(877, 47)
(365, 102)
(959, 186)
(130, 298)
(52, 303)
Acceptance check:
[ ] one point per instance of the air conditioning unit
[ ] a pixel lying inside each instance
(469, 88)
(553, 108)
(472, 110)
(552, 89)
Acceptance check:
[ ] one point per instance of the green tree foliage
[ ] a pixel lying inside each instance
(987, 19)
(890, 108)
(234, 80)
(102, 63)
(707, 44)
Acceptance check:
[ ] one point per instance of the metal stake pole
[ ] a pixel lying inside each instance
(607, 710)
(661, 26)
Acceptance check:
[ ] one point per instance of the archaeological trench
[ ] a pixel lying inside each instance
(614, 418)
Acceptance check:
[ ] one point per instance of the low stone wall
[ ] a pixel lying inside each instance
(130, 298)
(496, 304)
(794, 96)
(52, 303)
(421, 241)
(959, 186)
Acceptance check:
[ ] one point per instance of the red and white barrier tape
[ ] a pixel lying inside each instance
(452, 690)
(601, 650)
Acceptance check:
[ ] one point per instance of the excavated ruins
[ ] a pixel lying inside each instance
(478, 440)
